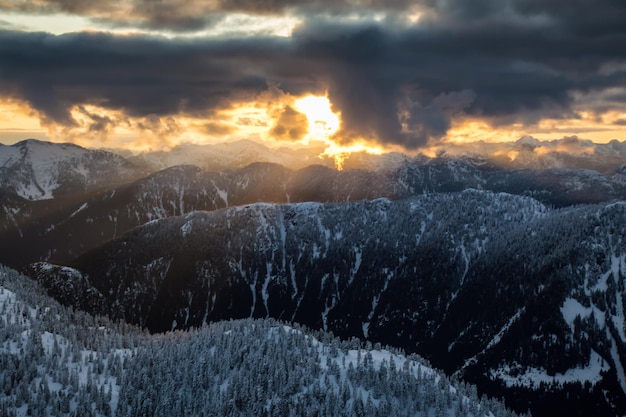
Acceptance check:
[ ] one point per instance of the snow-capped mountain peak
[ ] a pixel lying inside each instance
(38, 170)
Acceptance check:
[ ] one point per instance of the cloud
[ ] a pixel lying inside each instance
(291, 125)
(529, 152)
(588, 18)
(175, 15)
(194, 15)
(139, 75)
(5, 25)
(508, 62)
(98, 124)
(217, 129)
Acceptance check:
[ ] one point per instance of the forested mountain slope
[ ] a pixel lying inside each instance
(63, 228)
(57, 362)
(496, 288)
(521, 293)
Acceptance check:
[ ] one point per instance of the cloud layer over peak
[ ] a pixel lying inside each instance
(393, 80)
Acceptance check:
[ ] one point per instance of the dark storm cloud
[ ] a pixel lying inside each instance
(588, 17)
(138, 75)
(582, 16)
(376, 75)
(516, 61)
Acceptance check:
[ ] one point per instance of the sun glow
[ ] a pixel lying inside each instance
(323, 123)
(18, 121)
(602, 129)
(339, 153)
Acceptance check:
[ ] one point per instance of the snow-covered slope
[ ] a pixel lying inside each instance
(62, 230)
(55, 362)
(554, 186)
(38, 170)
(475, 281)
(500, 289)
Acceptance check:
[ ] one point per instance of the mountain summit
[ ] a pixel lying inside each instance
(37, 170)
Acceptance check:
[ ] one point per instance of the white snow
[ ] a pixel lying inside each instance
(602, 285)
(13, 313)
(496, 339)
(186, 228)
(356, 356)
(81, 208)
(43, 158)
(265, 286)
(6, 297)
(533, 377)
(36, 167)
(571, 309)
(223, 194)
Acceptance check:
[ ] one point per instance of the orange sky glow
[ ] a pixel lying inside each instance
(258, 120)
(553, 106)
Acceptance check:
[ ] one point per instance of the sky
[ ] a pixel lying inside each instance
(347, 74)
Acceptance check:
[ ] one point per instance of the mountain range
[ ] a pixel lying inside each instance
(511, 278)
(81, 217)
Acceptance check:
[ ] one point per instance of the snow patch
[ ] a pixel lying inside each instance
(81, 208)
(571, 309)
(186, 228)
(533, 377)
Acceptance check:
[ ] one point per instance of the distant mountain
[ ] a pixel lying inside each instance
(570, 153)
(37, 170)
(55, 361)
(524, 300)
(558, 187)
(527, 153)
(237, 154)
(64, 229)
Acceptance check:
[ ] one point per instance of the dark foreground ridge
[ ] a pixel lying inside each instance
(55, 361)
(497, 289)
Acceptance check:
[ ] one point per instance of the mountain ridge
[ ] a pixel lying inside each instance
(60, 362)
(39, 230)
(420, 273)
(39, 170)
(511, 279)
